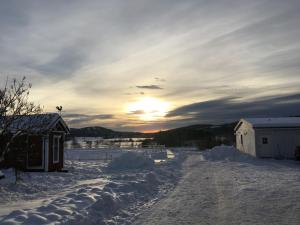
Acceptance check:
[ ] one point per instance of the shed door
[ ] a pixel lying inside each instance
(35, 152)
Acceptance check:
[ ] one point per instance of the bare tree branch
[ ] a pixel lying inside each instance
(16, 113)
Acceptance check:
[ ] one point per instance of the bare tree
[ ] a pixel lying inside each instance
(15, 111)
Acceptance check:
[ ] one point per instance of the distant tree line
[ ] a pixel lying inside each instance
(102, 132)
(200, 136)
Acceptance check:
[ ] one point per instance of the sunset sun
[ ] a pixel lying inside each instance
(149, 109)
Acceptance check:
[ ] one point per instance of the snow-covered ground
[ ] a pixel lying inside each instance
(111, 153)
(91, 192)
(223, 186)
(217, 186)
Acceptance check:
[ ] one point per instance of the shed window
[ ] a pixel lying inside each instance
(242, 141)
(265, 140)
(56, 149)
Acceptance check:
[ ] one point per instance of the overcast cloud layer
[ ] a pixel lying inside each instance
(213, 61)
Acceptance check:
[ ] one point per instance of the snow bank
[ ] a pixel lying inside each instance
(131, 183)
(8, 176)
(129, 161)
(35, 185)
(227, 153)
(62, 208)
(118, 201)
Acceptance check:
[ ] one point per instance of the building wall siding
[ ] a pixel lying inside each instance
(248, 134)
(282, 142)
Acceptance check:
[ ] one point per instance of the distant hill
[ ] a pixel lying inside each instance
(201, 136)
(102, 132)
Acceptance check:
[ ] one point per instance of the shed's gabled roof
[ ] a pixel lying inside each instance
(38, 123)
(279, 122)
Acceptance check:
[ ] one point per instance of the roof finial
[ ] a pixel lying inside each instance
(59, 109)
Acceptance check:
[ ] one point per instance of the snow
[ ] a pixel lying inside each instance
(226, 153)
(217, 186)
(8, 174)
(223, 186)
(92, 154)
(36, 123)
(274, 122)
(36, 188)
(92, 192)
(131, 160)
(112, 153)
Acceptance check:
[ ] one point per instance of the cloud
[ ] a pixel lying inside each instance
(231, 108)
(12, 16)
(68, 61)
(78, 115)
(137, 112)
(87, 54)
(74, 119)
(158, 79)
(135, 93)
(153, 87)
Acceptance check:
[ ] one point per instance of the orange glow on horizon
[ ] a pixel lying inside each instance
(152, 131)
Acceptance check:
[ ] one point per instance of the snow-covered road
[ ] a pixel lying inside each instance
(224, 187)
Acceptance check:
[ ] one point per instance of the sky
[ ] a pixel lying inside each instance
(141, 65)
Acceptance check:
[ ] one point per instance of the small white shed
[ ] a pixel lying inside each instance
(268, 137)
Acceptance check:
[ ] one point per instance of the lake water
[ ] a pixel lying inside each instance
(99, 142)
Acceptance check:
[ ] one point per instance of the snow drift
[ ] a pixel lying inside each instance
(111, 194)
(227, 153)
(129, 161)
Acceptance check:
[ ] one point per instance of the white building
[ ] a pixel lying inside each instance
(268, 137)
